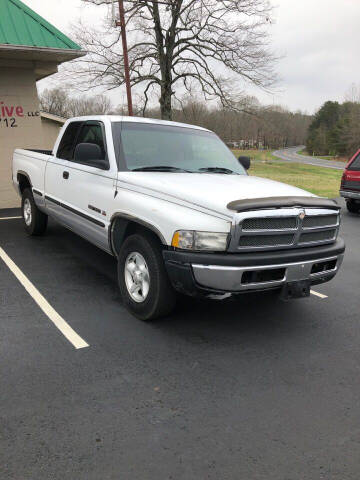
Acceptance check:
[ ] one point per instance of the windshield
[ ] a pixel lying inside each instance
(149, 147)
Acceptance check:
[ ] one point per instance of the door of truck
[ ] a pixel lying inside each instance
(80, 195)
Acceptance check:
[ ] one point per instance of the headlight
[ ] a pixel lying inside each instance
(193, 240)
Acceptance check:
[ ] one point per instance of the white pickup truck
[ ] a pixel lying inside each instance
(178, 211)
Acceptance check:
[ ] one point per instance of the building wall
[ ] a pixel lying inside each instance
(20, 124)
(50, 131)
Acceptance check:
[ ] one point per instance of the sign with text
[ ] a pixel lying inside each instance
(10, 114)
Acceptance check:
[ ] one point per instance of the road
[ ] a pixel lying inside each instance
(290, 155)
(255, 389)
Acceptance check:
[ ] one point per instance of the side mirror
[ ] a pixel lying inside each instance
(245, 162)
(90, 154)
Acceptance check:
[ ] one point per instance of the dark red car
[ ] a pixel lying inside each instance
(350, 184)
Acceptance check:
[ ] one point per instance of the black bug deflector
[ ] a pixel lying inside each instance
(281, 202)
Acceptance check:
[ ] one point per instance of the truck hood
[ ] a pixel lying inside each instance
(210, 191)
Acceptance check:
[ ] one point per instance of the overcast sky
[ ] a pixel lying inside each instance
(318, 40)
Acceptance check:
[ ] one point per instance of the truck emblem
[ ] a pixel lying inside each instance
(302, 215)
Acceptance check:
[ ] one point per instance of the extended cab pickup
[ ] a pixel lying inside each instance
(178, 211)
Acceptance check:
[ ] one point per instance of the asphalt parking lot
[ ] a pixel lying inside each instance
(253, 389)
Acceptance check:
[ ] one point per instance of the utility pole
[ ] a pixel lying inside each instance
(125, 54)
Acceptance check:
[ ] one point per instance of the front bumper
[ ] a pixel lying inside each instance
(206, 273)
(349, 194)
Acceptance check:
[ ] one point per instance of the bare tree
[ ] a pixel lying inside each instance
(191, 111)
(213, 45)
(54, 101)
(58, 102)
(94, 105)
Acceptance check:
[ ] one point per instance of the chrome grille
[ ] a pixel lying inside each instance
(265, 240)
(283, 228)
(268, 223)
(320, 221)
(317, 236)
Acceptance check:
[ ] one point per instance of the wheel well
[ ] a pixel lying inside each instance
(23, 181)
(121, 228)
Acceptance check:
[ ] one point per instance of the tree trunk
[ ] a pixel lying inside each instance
(165, 101)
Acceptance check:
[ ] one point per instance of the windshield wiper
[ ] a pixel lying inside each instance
(160, 168)
(216, 170)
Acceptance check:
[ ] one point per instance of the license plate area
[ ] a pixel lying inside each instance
(297, 289)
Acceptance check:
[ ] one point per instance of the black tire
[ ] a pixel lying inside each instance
(161, 298)
(37, 223)
(352, 206)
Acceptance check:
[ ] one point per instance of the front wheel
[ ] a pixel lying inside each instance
(352, 206)
(35, 221)
(143, 281)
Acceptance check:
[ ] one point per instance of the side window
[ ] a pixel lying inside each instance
(92, 133)
(355, 164)
(66, 146)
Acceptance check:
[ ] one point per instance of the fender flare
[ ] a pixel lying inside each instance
(132, 218)
(21, 172)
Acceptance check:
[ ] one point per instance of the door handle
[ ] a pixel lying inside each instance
(66, 175)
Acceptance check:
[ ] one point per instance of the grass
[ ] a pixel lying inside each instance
(321, 181)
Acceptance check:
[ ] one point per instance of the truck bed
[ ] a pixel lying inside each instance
(32, 164)
(44, 152)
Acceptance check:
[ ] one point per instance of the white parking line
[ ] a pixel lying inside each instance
(317, 294)
(9, 218)
(58, 321)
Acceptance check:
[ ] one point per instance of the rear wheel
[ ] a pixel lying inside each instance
(35, 221)
(143, 281)
(352, 206)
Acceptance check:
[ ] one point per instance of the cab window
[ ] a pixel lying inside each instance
(92, 132)
(66, 147)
